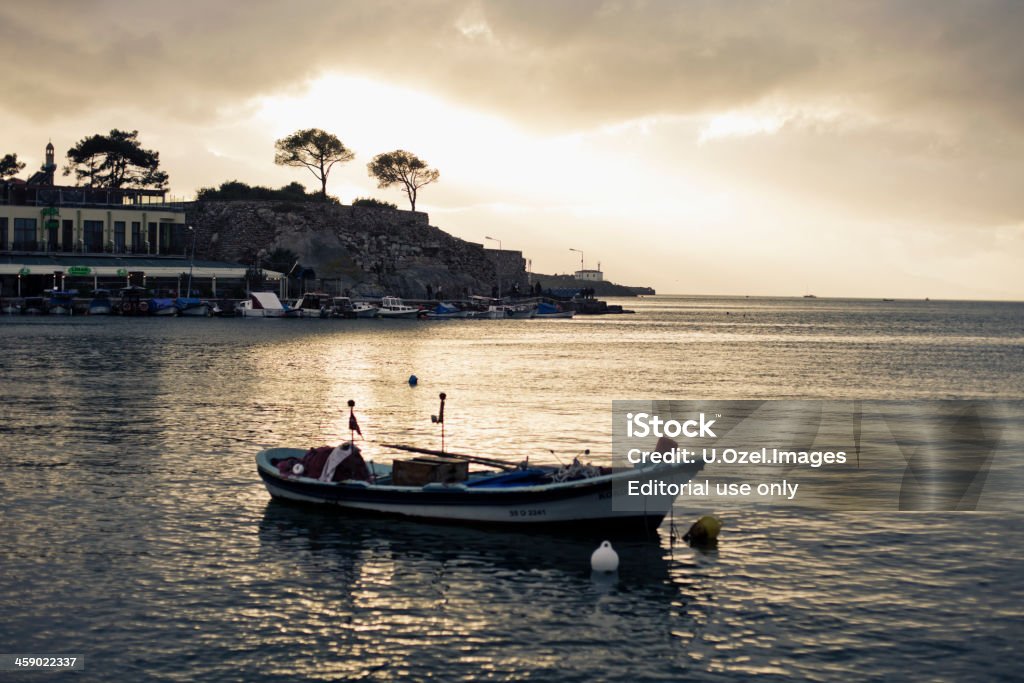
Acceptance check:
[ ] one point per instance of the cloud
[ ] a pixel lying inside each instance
(550, 64)
(907, 113)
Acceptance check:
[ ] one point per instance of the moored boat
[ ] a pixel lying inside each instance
(363, 309)
(192, 306)
(393, 307)
(314, 305)
(546, 310)
(100, 303)
(33, 305)
(265, 305)
(61, 302)
(162, 306)
(574, 498)
(446, 311)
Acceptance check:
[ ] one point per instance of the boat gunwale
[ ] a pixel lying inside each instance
(457, 488)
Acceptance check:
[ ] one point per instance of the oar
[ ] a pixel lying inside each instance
(446, 454)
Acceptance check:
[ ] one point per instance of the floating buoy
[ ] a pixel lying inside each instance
(604, 559)
(413, 380)
(704, 531)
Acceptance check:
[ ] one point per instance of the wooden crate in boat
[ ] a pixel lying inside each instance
(427, 470)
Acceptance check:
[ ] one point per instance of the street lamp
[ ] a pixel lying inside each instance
(500, 263)
(580, 251)
(191, 262)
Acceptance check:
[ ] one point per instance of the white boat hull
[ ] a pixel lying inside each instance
(388, 313)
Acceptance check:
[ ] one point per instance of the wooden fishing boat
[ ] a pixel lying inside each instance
(438, 486)
(548, 498)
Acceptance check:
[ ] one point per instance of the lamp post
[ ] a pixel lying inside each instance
(191, 261)
(500, 263)
(580, 251)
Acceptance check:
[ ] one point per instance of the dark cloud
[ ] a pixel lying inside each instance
(561, 64)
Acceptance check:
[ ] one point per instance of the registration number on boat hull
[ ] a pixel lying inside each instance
(528, 512)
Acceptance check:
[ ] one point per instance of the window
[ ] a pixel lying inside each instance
(67, 237)
(92, 234)
(177, 237)
(119, 237)
(137, 241)
(152, 238)
(25, 234)
(3, 234)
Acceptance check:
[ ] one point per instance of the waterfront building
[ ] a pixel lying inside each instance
(51, 232)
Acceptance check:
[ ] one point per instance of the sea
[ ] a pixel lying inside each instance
(136, 535)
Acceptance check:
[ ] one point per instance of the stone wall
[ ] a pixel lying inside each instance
(369, 251)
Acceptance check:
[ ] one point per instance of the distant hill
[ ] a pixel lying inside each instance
(600, 288)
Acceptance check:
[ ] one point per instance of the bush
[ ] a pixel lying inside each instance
(374, 203)
(235, 190)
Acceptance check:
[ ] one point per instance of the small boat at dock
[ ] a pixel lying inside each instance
(192, 306)
(393, 307)
(266, 305)
(100, 303)
(546, 310)
(61, 302)
(314, 305)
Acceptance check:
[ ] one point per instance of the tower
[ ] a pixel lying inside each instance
(49, 167)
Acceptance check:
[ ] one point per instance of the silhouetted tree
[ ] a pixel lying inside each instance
(10, 166)
(314, 149)
(404, 169)
(115, 161)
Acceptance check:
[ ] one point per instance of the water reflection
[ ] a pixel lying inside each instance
(459, 600)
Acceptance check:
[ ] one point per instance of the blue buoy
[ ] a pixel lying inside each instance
(413, 380)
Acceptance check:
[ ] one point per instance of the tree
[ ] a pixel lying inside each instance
(314, 149)
(10, 166)
(115, 161)
(404, 169)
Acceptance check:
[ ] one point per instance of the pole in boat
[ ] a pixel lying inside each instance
(439, 418)
(353, 425)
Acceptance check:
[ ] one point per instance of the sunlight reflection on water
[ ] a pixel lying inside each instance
(137, 533)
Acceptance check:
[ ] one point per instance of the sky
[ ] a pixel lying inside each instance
(858, 149)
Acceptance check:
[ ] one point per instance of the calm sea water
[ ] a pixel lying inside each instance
(135, 532)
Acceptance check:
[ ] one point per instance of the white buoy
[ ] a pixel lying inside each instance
(604, 559)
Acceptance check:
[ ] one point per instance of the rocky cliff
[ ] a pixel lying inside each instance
(369, 251)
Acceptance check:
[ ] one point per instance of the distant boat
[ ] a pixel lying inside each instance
(445, 311)
(393, 307)
(888, 299)
(162, 306)
(100, 304)
(546, 310)
(33, 305)
(314, 305)
(134, 301)
(61, 302)
(192, 306)
(810, 296)
(266, 305)
(364, 310)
